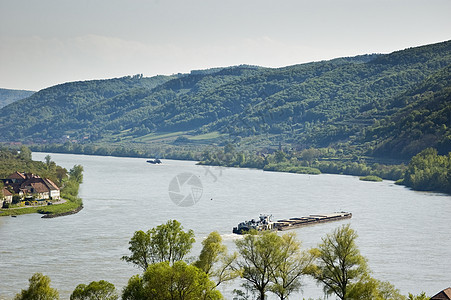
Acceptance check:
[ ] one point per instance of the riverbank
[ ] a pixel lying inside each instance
(50, 211)
(308, 161)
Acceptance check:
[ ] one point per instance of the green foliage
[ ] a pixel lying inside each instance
(134, 290)
(339, 265)
(214, 261)
(371, 178)
(39, 289)
(291, 264)
(421, 296)
(96, 290)
(421, 121)
(269, 262)
(429, 171)
(179, 281)
(166, 242)
(25, 153)
(211, 252)
(76, 174)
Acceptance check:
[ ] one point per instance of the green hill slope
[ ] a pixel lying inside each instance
(346, 102)
(8, 96)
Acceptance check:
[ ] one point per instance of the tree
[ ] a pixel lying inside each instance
(214, 261)
(166, 242)
(76, 173)
(25, 153)
(258, 257)
(291, 265)
(179, 281)
(96, 290)
(339, 264)
(369, 288)
(48, 159)
(211, 251)
(421, 296)
(134, 289)
(39, 289)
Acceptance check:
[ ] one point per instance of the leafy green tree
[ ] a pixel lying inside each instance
(339, 266)
(369, 288)
(429, 171)
(259, 256)
(134, 289)
(166, 242)
(291, 265)
(25, 153)
(76, 173)
(211, 251)
(39, 289)
(214, 261)
(179, 281)
(48, 159)
(96, 290)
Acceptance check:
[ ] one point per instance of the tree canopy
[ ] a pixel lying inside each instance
(167, 242)
(39, 289)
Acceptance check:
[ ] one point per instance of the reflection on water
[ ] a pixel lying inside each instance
(404, 234)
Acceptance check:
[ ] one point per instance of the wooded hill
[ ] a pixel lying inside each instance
(9, 96)
(391, 105)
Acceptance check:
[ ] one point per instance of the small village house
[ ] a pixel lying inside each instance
(27, 184)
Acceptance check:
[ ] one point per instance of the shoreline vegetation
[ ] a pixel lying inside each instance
(426, 171)
(68, 182)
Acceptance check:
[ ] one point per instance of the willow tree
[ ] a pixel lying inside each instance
(270, 262)
(338, 265)
(215, 261)
(292, 263)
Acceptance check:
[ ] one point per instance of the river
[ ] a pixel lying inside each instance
(404, 234)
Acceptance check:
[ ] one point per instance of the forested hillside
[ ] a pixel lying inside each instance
(391, 105)
(9, 96)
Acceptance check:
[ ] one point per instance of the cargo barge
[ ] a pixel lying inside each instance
(265, 223)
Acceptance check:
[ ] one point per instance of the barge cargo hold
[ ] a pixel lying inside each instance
(265, 223)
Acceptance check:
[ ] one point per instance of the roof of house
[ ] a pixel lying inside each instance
(17, 175)
(50, 184)
(6, 192)
(443, 295)
(39, 187)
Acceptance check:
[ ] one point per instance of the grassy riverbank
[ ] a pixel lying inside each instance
(66, 207)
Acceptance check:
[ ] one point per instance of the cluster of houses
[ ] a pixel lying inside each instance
(27, 185)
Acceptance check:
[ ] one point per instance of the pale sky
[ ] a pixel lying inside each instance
(47, 42)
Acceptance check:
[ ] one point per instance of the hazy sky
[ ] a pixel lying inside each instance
(47, 42)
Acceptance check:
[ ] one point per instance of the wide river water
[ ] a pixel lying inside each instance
(405, 235)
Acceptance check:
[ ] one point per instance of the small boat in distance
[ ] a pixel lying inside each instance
(155, 161)
(265, 222)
